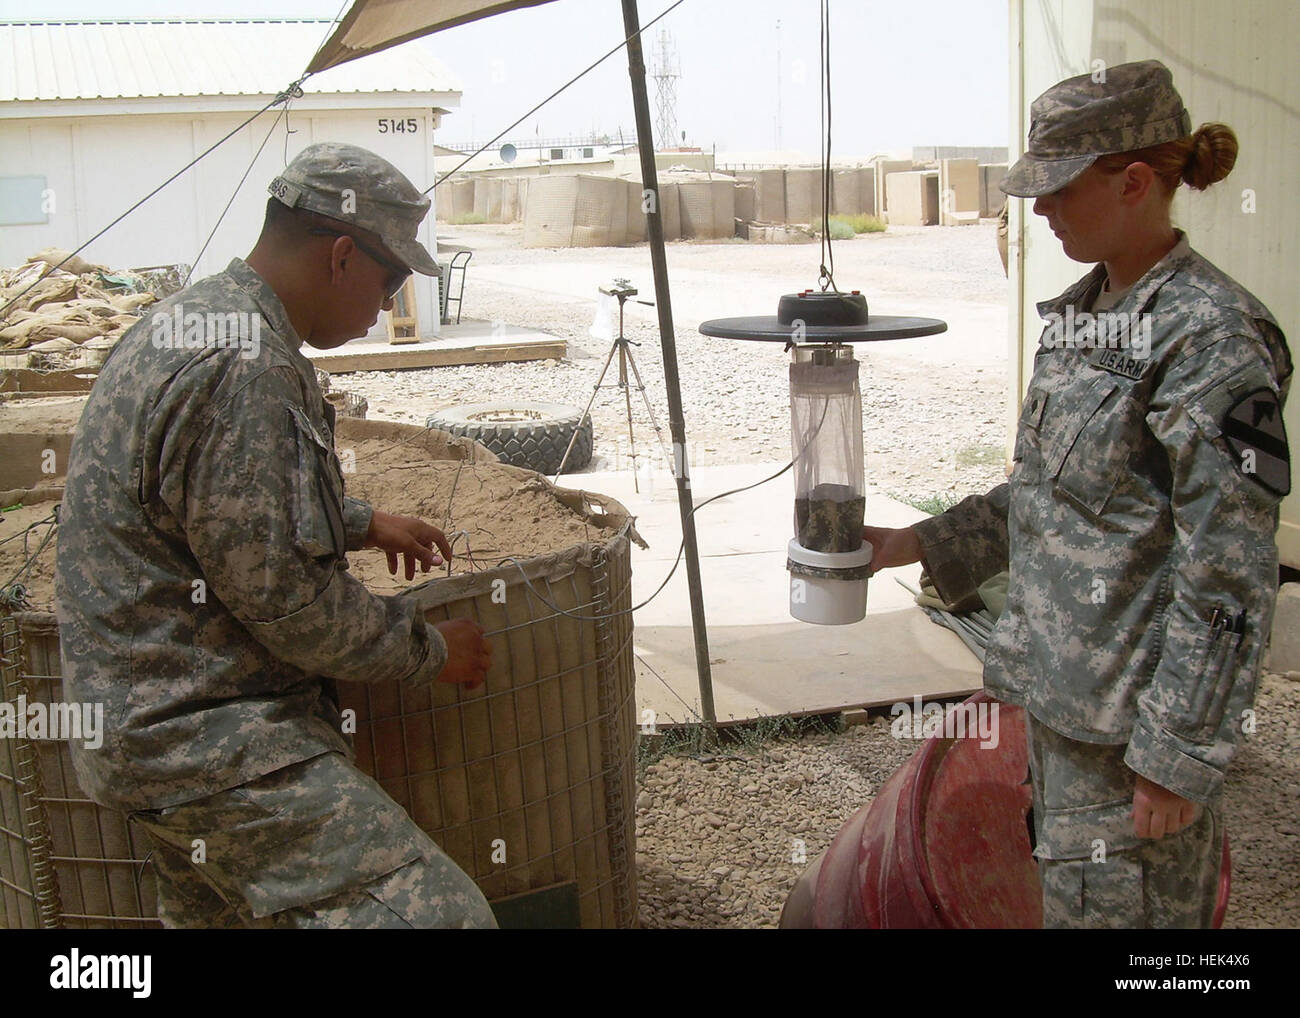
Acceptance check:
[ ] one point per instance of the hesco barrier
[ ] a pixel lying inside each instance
(575, 210)
(707, 208)
(528, 783)
(531, 783)
(64, 861)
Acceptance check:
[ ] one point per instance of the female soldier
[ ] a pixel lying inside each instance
(1138, 523)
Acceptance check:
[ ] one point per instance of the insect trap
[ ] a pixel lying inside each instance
(827, 559)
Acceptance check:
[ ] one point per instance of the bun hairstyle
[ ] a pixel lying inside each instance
(1201, 158)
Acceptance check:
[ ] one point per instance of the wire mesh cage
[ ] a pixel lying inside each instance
(65, 861)
(529, 782)
(348, 404)
(526, 783)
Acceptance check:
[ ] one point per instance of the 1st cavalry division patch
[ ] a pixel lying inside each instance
(1254, 429)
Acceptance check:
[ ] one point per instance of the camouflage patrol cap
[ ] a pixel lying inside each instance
(356, 186)
(1116, 109)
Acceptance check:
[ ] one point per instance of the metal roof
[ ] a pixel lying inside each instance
(67, 60)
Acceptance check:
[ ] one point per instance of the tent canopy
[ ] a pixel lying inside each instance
(374, 25)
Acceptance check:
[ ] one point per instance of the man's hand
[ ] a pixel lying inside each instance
(891, 548)
(468, 655)
(1158, 811)
(413, 539)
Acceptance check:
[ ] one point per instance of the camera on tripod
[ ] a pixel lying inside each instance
(620, 288)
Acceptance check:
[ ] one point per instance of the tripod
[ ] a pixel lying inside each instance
(621, 290)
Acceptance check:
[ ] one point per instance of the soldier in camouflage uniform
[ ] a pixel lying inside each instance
(203, 592)
(1138, 523)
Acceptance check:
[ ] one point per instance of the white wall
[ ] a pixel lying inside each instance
(1232, 62)
(97, 167)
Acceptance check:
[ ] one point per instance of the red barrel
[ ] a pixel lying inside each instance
(945, 844)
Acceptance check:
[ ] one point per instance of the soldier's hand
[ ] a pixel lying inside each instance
(891, 548)
(1158, 811)
(409, 537)
(469, 655)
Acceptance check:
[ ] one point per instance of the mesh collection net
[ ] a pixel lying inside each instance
(826, 433)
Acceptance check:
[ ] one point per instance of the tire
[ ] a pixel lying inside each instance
(532, 435)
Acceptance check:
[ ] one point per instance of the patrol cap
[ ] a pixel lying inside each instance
(1077, 120)
(355, 186)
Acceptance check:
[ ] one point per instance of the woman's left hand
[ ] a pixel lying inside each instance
(1158, 811)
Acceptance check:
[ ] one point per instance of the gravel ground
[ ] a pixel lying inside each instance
(722, 840)
(716, 835)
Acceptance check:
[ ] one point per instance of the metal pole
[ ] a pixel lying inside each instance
(667, 339)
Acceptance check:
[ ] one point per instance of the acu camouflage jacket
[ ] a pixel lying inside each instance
(1138, 526)
(203, 594)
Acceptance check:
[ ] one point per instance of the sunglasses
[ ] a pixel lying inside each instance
(397, 275)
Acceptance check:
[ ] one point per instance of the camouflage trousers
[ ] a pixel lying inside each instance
(316, 845)
(1096, 872)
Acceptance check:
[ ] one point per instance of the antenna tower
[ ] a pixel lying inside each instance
(667, 69)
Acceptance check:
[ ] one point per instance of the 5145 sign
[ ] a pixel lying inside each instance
(408, 126)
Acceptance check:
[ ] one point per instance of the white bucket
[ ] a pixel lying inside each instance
(828, 602)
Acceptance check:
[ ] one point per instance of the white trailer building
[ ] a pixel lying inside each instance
(95, 115)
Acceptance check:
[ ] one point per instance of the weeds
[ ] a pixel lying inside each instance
(840, 230)
(932, 504)
(861, 222)
(468, 219)
(752, 737)
(981, 456)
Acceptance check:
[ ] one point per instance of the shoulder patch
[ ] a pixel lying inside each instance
(1256, 433)
(1120, 363)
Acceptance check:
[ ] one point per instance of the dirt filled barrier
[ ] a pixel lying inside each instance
(527, 782)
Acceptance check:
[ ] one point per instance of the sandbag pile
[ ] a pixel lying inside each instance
(73, 315)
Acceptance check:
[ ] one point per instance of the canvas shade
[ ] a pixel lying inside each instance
(373, 25)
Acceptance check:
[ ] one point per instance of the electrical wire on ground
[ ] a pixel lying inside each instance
(670, 689)
(807, 444)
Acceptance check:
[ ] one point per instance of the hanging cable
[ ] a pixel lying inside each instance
(234, 194)
(826, 276)
(294, 91)
(497, 137)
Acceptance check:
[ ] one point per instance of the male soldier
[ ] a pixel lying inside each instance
(204, 597)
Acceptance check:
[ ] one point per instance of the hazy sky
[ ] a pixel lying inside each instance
(902, 74)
